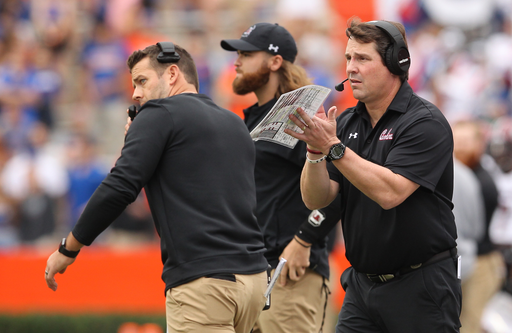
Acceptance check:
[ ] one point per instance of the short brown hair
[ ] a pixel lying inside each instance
(364, 32)
(185, 64)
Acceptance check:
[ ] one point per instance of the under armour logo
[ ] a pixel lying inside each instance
(352, 135)
(271, 47)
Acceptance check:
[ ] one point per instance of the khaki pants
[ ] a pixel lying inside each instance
(209, 305)
(295, 308)
(487, 278)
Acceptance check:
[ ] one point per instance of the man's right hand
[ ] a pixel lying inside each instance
(128, 123)
(57, 263)
(317, 131)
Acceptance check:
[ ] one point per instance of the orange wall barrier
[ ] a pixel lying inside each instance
(102, 280)
(338, 264)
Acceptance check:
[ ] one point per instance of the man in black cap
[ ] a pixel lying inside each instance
(264, 66)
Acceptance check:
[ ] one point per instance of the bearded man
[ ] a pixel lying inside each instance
(265, 67)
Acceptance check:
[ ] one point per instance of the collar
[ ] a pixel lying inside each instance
(398, 104)
(255, 108)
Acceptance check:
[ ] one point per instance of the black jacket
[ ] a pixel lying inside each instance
(280, 208)
(196, 162)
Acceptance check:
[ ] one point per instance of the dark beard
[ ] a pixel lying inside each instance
(250, 82)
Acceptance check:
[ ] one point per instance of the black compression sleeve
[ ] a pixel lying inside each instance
(105, 205)
(311, 231)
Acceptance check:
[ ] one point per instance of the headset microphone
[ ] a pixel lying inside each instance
(132, 111)
(340, 86)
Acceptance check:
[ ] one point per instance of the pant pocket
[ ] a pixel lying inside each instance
(345, 277)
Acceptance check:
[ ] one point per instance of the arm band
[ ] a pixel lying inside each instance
(313, 231)
(316, 161)
(316, 152)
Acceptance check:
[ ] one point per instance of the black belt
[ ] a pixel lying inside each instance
(381, 278)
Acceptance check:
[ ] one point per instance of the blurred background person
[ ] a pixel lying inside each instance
(487, 276)
(468, 209)
(36, 180)
(102, 81)
(9, 236)
(500, 148)
(85, 170)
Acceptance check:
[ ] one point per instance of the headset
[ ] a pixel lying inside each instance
(397, 58)
(168, 53)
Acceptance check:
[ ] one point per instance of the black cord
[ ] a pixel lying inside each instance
(327, 293)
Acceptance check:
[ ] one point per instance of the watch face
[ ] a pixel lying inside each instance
(337, 150)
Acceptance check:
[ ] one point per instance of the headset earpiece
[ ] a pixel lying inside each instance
(397, 58)
(168, 53)
(389, 58)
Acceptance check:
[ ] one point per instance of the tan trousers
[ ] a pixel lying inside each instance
(487, 278)
(295, 308)
(209, 305)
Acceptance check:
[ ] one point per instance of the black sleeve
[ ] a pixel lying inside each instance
(144, 143)
(411, 155)
(105, 205)
(320, 222)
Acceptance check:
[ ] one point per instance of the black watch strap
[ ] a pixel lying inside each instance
(336, 152)
(66, 252)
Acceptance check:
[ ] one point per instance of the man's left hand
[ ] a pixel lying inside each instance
(297, 257)
(318, 132)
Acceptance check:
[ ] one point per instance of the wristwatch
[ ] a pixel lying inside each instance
(66, 252)
(336, 152)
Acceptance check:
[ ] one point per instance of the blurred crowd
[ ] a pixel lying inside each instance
(65, 88)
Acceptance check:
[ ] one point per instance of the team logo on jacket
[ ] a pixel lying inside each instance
(248, 31)
(316, 218)
(386, 135)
